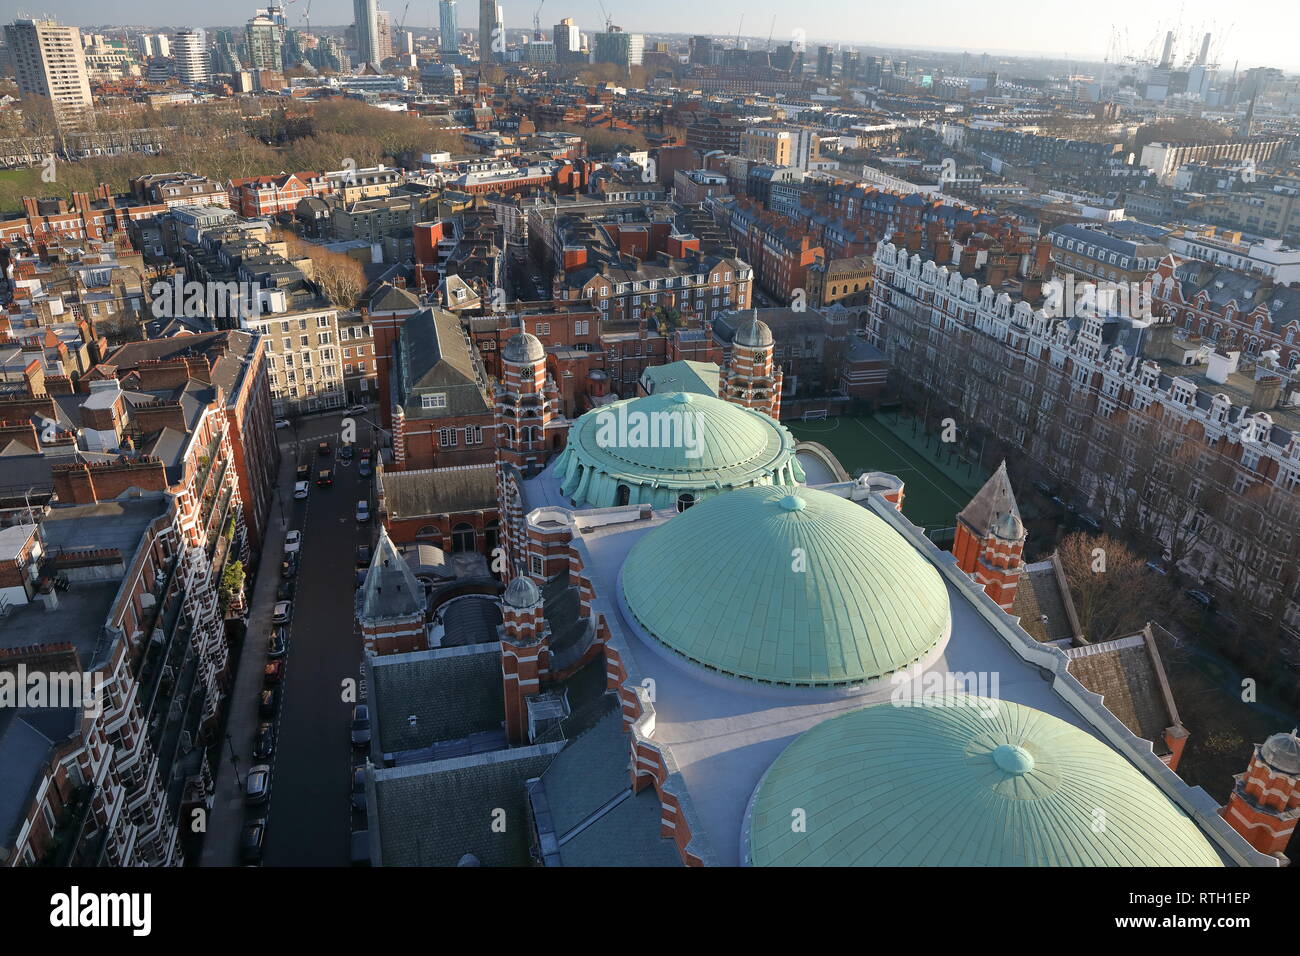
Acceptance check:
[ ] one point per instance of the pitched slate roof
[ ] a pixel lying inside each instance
(1130, 677)
(1039, 596)
(439, 491)
(436, 356)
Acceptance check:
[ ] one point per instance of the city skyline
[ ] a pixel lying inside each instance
(1026, 28)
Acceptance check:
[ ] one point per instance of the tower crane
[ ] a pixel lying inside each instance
(537, 22)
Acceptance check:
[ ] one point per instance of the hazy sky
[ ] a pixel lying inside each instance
(1261, 32)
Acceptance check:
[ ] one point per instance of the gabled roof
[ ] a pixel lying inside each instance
(437, 357)
(389, 298)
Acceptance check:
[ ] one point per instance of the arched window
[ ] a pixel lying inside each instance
(428, 531)
(685, 500)
(462, 538)
(623, 495)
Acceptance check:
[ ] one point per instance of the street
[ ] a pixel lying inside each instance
(308, 815)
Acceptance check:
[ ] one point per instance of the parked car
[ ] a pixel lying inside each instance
(365, 452)
(359, 789)
(277, 645)
(304, 472)
(257, 789)
(264, 742)
(1046, 488)
(360, 725)
(1089, 523)
(282, 612)
(364, 469)
(289, 566)
(363, 510)
(1203, 598)
(282, 423)
(325, 479)
(273, 673)
(359, 410)
(346, 452)
(284, 590)
(1157, 568)
(323, 448)
(363, 555)
(300, 490)
(269, 702)
(292, 542)
(250, 844)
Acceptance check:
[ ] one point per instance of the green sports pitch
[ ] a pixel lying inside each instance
(931, 498)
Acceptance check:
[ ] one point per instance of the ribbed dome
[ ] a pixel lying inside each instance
(786, 585)
(967, 782)
(523, 347)
(1282, 752)
(522, 592)
(754, 333)
(671, 443)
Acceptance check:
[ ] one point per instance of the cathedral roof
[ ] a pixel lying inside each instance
(670, 443)
(963, 781)
(787, 585)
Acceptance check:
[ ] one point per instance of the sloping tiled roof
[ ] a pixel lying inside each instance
(1130, 678)
(440, 491)
(451, 694)
(437, 357)
(578, 788)
(1039, 596)
(432, 814)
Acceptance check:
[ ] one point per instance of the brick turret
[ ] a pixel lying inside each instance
(752, 378)
(989, 542)
(1265, 802)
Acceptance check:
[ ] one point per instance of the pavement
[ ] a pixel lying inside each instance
(309, 816)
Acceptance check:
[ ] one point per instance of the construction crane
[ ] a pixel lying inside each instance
(609, 22)
(537, 22)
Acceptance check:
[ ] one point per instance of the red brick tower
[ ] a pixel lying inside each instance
(1265, 801)
(990, 539)
(523, 652)
(751, 377)
(392, 611)
(530, 426)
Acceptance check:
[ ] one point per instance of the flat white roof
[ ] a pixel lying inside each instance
(723, 733)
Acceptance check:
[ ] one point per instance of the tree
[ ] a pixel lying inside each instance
(341, 278)
(1113, 592)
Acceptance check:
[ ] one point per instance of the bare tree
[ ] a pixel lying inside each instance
(1113, 592)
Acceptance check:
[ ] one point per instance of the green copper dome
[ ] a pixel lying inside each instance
(969, 781)
(658, 448)
(786, 585)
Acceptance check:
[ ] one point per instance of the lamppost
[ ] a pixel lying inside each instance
(234, 759)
